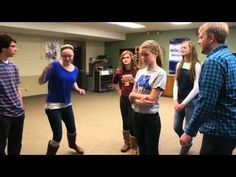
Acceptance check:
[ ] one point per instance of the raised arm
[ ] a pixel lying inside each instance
(42, 77)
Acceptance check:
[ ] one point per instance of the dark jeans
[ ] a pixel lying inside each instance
(55, 117)
(127, 114)
(11, 130)
(147, 130)
(215, 145)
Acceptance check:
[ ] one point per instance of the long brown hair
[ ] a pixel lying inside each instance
(155, 48)
(133, 62)
(193, 60)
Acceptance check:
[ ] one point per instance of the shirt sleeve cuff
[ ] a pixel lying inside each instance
(190, 132)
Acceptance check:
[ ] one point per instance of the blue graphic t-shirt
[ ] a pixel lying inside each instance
(146, 80)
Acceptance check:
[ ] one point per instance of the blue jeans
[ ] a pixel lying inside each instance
(179, 117)
(55, 117)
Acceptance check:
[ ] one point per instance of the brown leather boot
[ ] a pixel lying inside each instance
(71, 140)
(51, 150)
(134, 147)
(126, 145)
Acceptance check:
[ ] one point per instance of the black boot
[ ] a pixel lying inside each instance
(51, 150)
(73, 145)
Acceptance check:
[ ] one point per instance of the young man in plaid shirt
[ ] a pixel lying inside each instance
(215, 112)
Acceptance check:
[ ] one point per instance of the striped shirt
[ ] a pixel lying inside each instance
(10, 104)
(215, 111)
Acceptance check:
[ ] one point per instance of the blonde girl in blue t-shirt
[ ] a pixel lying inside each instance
(149, 84)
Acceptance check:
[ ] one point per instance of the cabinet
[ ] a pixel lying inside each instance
(103, 80)
(168, 92)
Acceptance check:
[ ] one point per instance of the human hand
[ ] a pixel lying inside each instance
(148, 102)
(127, 78)
(180, 107)
(81, 91)
(185, 139)
(176, 105)
(144, 102)
(131, 79)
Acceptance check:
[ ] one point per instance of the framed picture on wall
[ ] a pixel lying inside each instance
(52, 50)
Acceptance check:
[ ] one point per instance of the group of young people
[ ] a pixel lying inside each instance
(204, 96)
(61, 77)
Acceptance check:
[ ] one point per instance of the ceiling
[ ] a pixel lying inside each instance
(90, 31)
(150, 26)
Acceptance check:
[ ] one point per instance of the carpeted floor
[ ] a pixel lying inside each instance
(99, 126)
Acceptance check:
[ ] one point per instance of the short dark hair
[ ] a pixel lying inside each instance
(6, 40)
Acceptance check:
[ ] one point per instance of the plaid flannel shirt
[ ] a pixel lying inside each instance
(215, 110)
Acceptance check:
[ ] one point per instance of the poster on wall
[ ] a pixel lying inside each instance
(174, 53)
(52, 50)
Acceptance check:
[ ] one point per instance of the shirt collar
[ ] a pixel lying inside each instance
(219, 47)
(5, 61)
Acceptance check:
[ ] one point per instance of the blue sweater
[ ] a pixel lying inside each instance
(60, 83)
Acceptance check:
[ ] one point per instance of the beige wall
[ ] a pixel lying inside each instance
(31, 62)
(30, 87)
(30, 59)
(93, 49)
(30, 56)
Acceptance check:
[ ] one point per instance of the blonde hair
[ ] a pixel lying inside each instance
(155, 49)
(219, 29)
(193, 60)
(67, 46)
(133, 62)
